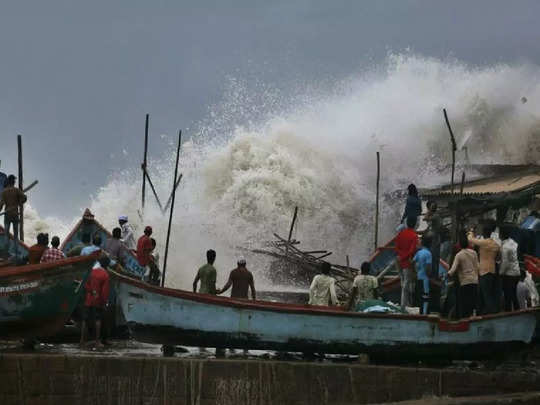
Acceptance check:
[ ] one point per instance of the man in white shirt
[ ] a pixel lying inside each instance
(509, 269)
(128, 238)
(323, 288)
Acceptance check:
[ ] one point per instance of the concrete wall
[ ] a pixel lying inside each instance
(27, 379)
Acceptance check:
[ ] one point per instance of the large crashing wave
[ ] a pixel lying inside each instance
(259, 155)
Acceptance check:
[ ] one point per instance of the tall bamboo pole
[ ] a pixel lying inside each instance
(172, 208)
(291, 231)
(153, 189)
(376, 242)
(170, 196)
(462, 185)
(454, 148)
(21, 207)
(145, 161)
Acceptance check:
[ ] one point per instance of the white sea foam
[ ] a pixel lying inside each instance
(257, 156)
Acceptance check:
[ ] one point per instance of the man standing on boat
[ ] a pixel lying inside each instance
(207, 275)
(413, 205)
(488, 252)
(434, 231)
(94, 247)
(364, 287)
(77, 249)
(36, 251)
(241, 280)
(128, 236)
(406, 243)
(423, 261)
(155, 274)
(509, 269)
(53, 254)
(323, 288)
(114, 246)
(144, 249)
(466, 266)
(12, 198)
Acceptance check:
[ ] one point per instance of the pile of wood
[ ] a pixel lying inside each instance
(295, 260)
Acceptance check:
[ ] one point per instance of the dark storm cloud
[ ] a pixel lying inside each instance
(76, 78)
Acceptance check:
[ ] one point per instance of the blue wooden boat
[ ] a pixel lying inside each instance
(175, 317)
(36, 300)
(88, 225)
(22, 249)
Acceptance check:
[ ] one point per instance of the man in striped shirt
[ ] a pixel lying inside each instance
(53, 254)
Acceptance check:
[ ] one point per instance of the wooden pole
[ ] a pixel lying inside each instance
(454, 148)
(172, 208)
(21, 207)
(145, 161)
(291, 231)
(456, 208)
(376, 242)
(31, 186)
(170, 197)
(153, 189)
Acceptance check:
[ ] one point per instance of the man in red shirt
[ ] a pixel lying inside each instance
(97, 295)
(144, 247)
(36, 251)
(406, 244)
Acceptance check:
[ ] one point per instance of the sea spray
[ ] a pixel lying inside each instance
(260, 154)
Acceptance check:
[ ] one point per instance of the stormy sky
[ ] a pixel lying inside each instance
(76, 78)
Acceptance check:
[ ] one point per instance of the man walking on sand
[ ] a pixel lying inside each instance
(207, 276)
(241, 280)
(97, 295)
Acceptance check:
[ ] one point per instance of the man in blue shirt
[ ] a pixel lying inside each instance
(94, 247)
(422, 260)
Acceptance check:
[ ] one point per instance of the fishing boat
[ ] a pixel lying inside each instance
(36, 300)
(90, 226)
(174, 317)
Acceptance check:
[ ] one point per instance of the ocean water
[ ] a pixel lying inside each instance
(259, 154)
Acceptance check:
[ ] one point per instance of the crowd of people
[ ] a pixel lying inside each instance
(485, 275)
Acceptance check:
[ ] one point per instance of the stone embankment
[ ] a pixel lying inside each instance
(40, 379)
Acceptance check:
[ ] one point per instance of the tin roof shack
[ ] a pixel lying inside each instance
(507, 195)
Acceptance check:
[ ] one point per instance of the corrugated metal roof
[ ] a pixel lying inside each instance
(506, 183)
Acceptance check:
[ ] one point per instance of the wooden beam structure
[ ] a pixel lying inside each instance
(21, 183)
(376, 241)
(172, 208)
(153, 189)
(170, 196)
(454, 147)
(145, 161)
(291, 230)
